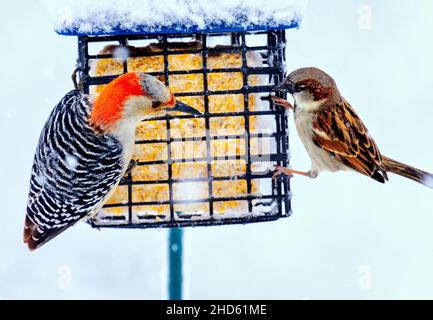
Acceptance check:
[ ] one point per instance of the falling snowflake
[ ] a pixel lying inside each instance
(71, 161)
(121, 53)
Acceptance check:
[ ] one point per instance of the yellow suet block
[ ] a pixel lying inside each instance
(157, 130)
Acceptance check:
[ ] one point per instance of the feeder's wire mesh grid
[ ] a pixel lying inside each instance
(273, 55)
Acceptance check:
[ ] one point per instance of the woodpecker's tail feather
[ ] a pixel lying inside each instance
(407, 171)
(35, 238)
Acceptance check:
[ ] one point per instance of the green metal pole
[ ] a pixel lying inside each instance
(175, 239)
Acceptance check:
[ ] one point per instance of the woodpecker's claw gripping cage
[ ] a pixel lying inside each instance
(262, 198)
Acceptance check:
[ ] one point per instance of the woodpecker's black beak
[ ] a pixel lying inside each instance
(182, 107)
(284, 87)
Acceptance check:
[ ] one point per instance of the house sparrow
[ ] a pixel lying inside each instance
(333, 134)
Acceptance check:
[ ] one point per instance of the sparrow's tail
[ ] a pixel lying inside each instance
(407, 171)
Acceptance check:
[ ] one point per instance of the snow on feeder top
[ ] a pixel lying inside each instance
(108, 17)
(222, 58)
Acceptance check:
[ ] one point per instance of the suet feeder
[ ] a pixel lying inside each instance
(198, 171)
(221, 57)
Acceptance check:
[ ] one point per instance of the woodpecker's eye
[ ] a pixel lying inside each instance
(156, 104)
(302, 87)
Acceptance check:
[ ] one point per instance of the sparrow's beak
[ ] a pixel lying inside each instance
(284, 87)
(182, 107)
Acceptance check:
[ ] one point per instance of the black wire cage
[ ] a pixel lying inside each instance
(262, 198)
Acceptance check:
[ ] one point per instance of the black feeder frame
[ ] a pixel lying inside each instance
(272, 51)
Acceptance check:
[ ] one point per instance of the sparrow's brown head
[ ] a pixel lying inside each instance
(312, 84)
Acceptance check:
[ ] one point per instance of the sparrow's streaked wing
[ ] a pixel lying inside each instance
(339, 130)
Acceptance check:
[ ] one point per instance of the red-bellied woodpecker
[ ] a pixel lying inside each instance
(84, 150)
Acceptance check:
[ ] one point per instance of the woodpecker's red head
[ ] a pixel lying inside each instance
(134, 97)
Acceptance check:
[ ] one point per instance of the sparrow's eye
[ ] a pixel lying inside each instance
(156, 104)
(302, 87)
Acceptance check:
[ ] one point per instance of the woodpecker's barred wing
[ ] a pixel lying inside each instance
(340, 131)
(74, 170)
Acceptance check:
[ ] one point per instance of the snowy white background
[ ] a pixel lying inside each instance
(349, 237)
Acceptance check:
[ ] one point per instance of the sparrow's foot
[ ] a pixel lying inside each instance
(281, 102)
(279, 170)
